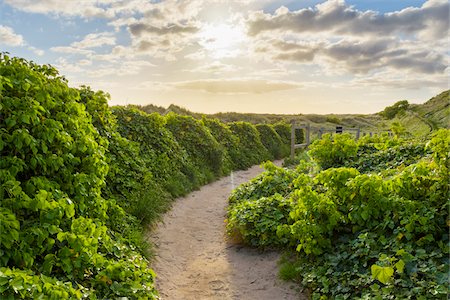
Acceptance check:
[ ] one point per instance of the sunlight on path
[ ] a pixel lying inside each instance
(195, 261)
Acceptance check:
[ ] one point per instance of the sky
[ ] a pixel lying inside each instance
(260, 56)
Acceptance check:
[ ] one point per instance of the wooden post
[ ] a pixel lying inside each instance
(358, 131)
(320, 132)
(292, 139)
(307, 133)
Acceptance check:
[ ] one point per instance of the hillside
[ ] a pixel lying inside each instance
(418, 119)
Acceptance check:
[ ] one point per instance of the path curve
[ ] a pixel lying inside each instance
(194, 260)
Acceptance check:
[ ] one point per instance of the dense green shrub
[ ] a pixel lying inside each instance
(271, 140)
(129, 180)
(274, 180)
(53, 238)
(163, 156)
(284, 131)
(251, 150)
(205, 153)
(391, 158)
(256, 221)
(357, 236)
(391, 111)
(227, 140)
(333, 151)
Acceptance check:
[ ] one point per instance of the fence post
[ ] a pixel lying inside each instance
(358, 131)
(308, 131)
(292, 139)
(320, 132)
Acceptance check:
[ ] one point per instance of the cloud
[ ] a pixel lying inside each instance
(123, 68)
(36, 51)
(237, 86)
(335, 16)
(85, 8)
(9, 38)
(71, 50)
(215, 67)
(94, 40)
(337, 37)
(388, 79)
(142, 28)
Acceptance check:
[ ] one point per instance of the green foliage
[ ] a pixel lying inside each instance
(369, 159)
(273, 181)
(251, 150)
(271, 140)
(53, 239)
(357, 236)
(284, 131)
(161, 153)
(205, 153)
(391, 111)
(332, 151)
(228, 142)
(334, 119)
(256, 221)
(398, 129)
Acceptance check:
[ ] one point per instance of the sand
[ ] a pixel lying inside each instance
(195, 260)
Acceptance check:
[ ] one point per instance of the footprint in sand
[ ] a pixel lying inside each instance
(216, 285)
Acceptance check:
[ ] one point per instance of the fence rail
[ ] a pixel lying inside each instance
(320, 131)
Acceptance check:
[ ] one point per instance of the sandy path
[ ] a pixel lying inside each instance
(195, 261)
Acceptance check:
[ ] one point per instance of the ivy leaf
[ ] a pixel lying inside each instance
(400, 265)
(382, 274)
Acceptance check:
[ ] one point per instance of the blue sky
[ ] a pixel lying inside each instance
(250, 56)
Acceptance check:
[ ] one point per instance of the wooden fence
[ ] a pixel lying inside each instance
(320, 131)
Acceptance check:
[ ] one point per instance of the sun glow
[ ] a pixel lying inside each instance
(222, 40)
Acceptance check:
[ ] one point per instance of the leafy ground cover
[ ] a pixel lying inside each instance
(377, 231)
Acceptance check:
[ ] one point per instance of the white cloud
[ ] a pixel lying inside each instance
(94, 40)
(84, 8)
(36, 51)
(216, 67)
(334, 35)
(237, 86)
(335, 16)
(9, 38)
(71, 50)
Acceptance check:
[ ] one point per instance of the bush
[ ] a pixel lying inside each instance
(256, 221)
(227, 140)
(201, 147)
(53, 238)
(129, 180)
(391, 111)
(251, 150)
(357, 236)
(271, 140)
(163, 156)
(333, 151)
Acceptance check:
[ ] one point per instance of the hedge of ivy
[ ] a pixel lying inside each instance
(271, 140)
(53, 239)
(203, 150)
(250, 148)
(78, 179)
(377, 233)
